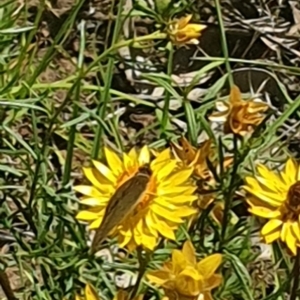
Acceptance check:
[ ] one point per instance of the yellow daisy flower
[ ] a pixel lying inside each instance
(239, 116)
(276, 197)
(90, 294)
(185, 278)
(162, 208)
(183, 32)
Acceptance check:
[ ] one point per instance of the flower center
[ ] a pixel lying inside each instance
(293, 201)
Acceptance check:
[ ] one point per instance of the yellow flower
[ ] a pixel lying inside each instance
(90, 294)
(197, 159)
(239, 116)
(276, 197)
(163, 207)
(185, 278)
(183, 32)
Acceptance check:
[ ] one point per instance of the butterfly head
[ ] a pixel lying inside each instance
(145, 170)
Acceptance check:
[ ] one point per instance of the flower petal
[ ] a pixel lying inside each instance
(144, 156)
(209, 265)
(158, 277)
(178, 178)
(114, 161)
(291, 239)
(105, 171)
(90, 293)
(271, 226)
(88, 190)
(270, 238)
(86, 215)
(189, 252)
(264, 212)
(290, 173)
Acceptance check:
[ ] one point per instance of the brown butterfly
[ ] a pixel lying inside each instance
(122, 203)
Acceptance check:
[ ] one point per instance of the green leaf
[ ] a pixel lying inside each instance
(161, 6)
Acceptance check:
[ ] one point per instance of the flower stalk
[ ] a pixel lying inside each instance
(295, 276)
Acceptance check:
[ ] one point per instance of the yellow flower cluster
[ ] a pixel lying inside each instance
(183, 32)
(239, 116)
(185, 278)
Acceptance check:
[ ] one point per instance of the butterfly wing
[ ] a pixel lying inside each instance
(121, 204)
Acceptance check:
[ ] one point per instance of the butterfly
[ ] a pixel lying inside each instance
(122, 203)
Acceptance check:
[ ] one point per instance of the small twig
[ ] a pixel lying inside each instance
(296, 276)
(5, 284)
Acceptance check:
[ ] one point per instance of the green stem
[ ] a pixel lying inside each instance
(143, 262)
(72, 133)
(224, 42)
(105, 96)
(229, 193)
(296, 277)
(165, 116)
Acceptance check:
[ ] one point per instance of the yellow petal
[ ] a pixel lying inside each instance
(178, 178)
(181, 199)
(165, 213)
(193, 27)
(188, 283)
(176, 190)
(114, 161)
(149, 242)
(89, 174)
(178, 260)
(151, 223)
(185, 211)
(189, 252)
(90, 293)
(296, 230)
(133, 154)
(182, 22)
(264, 212)
(271, 226)
(298, 171)
(270, 175)
(86, 215)
(128, 162)
(214, 281)
(191, 272)
(96, 224)
(144, 157)
(88, 190)
(284, 231)
(291, 240)
(209, 265)
(166, 170)
(158, 277)
(270, 238)
(94, 201)
(105, 171)
(165, 230)
(271, 198)
(290, 173)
